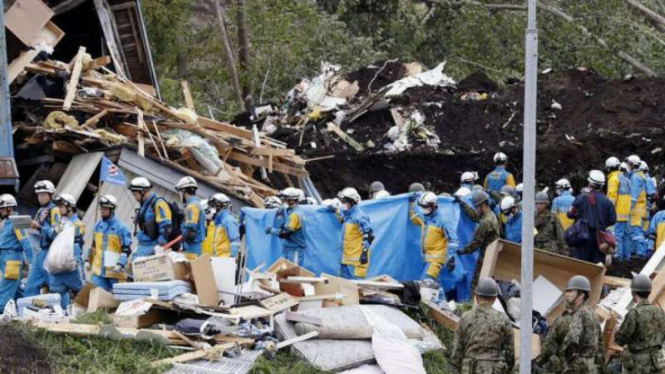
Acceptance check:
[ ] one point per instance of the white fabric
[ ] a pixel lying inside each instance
(365, 369)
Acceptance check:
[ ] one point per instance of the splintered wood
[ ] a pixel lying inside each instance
(114, 111)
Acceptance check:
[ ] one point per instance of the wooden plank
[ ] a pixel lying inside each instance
(18, 65)
(301, 338)
(143, 126)
(141, 150)
(109, 37)
(99, 62)
(189, 101)
(443, 317)
(26, 17)
(381, 285)
(215, 351)
(74, 80)
(279, 302)
(345, 137)
(65, 147)
(92, 121)
(210, 124)
(267, 151)
(615, 282)
(264, 163)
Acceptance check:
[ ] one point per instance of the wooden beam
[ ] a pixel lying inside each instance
(189, 101)
(264, 163)
(74, 80)
(210, 124)
(92, 121)
(99, 62)
(301, 338)
(267, 151)
(213, 352)
(345, 137)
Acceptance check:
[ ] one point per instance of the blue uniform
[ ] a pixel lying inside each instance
(226, 238)
(498, 178)
(291, 229)
(14, 244)
(656, 232)
(600, 215)
(618, 191)
(47, 217)
(651, 190)
(638, 213)
(155, 222)
(111, 243)
(435, 241)
(513, 228)
(356, 237)
(73, 280)
(193, 228)
(560, 207)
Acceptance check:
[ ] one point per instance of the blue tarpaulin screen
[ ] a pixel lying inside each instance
(395, 250)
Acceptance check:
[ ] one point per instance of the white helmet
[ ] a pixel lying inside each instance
(563, 184)
(643, 166)
(596, 177)
(140, 184)
(335, 203)
(634, 160)
(519, 188)
(44, 187)
(428, 199)
(381, 195)
(272, 202)
(186, 182)
(291, 193)
(108, 201)
(468, 177)
(65, 199)
(462, 192)
(308, 201)
(219, 200)
(507, 203)
(7, 201)
(349, 193)
(612, 162)
(625, 167)
(207, 209)
(500, 157)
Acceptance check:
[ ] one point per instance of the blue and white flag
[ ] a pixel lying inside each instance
(111, 173)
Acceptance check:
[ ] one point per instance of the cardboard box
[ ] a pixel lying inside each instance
(503, 263)
(203, 280)
(335, 285)
(26, 18)
(158, 268)
(284, 269)
(94, 298)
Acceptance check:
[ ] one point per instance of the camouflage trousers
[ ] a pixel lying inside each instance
(485, 367)
(650, 362)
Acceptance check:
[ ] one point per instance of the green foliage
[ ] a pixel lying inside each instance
(99, 317)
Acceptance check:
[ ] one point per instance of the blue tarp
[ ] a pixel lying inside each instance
(395, 250)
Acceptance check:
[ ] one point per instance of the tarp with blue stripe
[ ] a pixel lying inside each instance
(395, 250)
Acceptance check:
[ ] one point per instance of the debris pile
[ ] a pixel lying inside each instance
(98, 109)
(401, 123)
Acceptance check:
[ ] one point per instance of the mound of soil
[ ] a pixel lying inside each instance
(19, 355)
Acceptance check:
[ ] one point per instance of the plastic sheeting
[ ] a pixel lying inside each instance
(395, 250)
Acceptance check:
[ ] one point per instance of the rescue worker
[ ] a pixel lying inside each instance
(433, 235)
(15, 250)
(381, 195)
(512, 227)
(226, 242)
(484, 341)
(499, 177)
(574, 344)
(486, 232)
(638, 208)
(598, 211)
(562, 203)
(416, 187)
(272, 202)
(656, 231)
(194, 224)
(618, 191)
(519, 189)
(291, 228)
(70, 282)
(468, 179)
(462, 192)
(651, 188)
(375, 188)
(642, 332)
(357, 235)
(153, 224)
(549, 232)
(206, 246)
(111, 246)
(47, 217)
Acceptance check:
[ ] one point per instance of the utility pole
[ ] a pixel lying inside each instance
(529, 172)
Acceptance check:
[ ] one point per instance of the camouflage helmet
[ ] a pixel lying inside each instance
(487, 287)
(416, 187)
(641, 283)
(479, 197)
(579, 283)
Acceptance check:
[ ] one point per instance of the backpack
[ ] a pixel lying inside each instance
(151, 229)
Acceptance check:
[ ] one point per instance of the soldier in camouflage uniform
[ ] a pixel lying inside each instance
(485, 233)
(549, 236)
(484, 341)
(574, 343)
(642, 332)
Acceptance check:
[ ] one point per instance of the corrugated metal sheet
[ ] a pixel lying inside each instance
(8, 168)
(240, 365)
(78, 173)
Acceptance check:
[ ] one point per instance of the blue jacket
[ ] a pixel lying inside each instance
(651, 190)
(513, 228)
(51, 220)
(435, 239)
(14, 240)
(498, 178)
(110, 238)
(604, 216)
(291, 229)
(154, 211)
(194, 225)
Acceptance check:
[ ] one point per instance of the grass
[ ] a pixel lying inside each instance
(97, 355)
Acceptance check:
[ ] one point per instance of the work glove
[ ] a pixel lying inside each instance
(331, 208)
(364, 256)
(457, 199)
(118, 268)
(451, 265)
(268, 230)
(158, 249)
